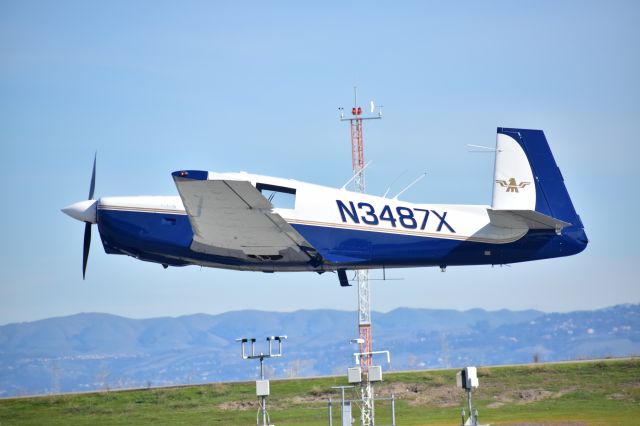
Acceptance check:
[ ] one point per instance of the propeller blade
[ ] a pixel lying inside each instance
(85, 248)
(93, 178)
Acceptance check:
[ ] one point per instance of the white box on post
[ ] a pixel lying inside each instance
(375, 373)
(262, 387)
(354, 375)
(472, 377)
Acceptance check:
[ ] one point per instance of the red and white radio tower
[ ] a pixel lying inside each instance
(362, 275)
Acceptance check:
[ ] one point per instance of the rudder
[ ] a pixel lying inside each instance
(526, 176)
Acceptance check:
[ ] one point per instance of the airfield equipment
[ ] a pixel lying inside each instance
(374, 374)
(346, 411)
(362, 275)
(262, 385)
(467, 379)
(345, 408)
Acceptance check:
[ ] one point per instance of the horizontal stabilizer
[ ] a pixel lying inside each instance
(525, 219)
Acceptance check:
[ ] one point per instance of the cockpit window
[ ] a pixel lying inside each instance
(280, 196)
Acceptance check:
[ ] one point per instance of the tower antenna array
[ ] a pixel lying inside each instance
(362, 275)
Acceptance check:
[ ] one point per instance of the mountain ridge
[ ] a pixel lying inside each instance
(92, 350)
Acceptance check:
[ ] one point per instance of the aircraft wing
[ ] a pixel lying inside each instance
(232, 218)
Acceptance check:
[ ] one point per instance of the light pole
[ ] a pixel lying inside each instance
(262, 385)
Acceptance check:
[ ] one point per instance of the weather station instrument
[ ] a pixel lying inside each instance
(467, 379)
(262, 385)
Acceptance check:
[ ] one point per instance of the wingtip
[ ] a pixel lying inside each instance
(191, 174)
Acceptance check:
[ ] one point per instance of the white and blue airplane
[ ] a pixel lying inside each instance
(250, 222)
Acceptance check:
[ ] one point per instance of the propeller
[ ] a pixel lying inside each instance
(87, 225)
(85, 211)
(93, 178)
(85, 248)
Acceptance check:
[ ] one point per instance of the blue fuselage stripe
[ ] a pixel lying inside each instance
(166, 238)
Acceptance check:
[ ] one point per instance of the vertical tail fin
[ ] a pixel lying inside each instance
(526, 176)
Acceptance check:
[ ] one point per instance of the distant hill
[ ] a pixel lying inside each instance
(96, 351)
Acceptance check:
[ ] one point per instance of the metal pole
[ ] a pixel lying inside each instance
(393, 410)
(373, 406)
(470, 408)
(330, 414)
(342, 407)
(263, 398)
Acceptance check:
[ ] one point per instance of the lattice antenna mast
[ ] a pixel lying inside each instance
(362, 275)
(357, 144)
(358, 165)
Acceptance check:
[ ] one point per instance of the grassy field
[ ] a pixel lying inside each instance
(582, 393)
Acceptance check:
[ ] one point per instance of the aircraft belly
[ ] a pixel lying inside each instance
(359, 249)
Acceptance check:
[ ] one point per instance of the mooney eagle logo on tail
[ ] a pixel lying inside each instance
(512, 186)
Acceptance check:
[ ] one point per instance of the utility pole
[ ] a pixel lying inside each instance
(362, 275)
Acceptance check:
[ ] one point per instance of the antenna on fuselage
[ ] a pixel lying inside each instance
(481, 148)
(418, 179)
(356, 174)
(394, 181)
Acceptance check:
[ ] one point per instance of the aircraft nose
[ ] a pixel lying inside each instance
(84, 211)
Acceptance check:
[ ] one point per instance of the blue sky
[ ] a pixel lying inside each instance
(226, 86)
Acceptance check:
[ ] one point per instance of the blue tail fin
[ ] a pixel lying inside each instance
(552, 198)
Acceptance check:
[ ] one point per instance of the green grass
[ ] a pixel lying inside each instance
(589, 393)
